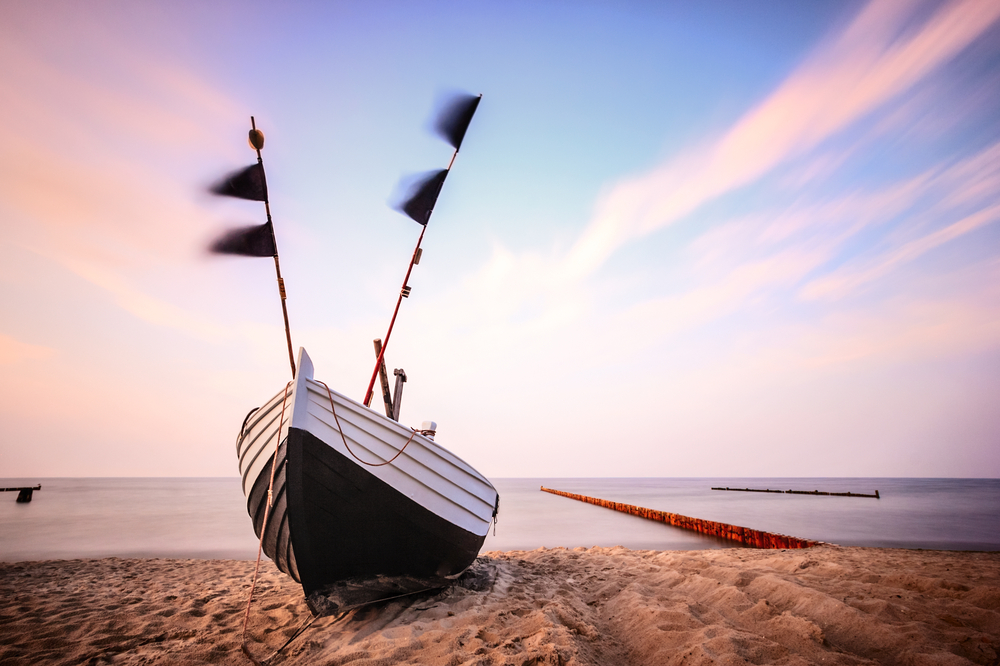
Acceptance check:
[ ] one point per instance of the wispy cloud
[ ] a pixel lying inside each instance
(964, 199)
(841, 282)
(109, 190)
(15, 351)
(875, 59)
(808, 239)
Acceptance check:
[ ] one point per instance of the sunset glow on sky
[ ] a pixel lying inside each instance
(681, 239)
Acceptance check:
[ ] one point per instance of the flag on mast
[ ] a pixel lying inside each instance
(253, 241)
(451, 125)
(454, 119)
(248, 183)
(420, 200)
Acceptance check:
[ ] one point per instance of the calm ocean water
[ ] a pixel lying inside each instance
(156, 517)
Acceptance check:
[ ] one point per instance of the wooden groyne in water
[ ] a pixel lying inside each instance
(798, 492)
(742, 535)
(23, 492)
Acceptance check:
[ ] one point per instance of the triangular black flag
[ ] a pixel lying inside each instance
(248, 183)
(257, 241)
(455, 117)
(420, 200)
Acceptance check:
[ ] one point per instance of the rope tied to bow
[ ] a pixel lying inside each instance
(333, 408)
(263, 527)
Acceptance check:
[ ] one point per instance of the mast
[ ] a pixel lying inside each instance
(451, 125)
(404, 292)
(255, 241)
(256, 139)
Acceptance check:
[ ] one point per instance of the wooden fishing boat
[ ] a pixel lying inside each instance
(363, 508)
(351, 504)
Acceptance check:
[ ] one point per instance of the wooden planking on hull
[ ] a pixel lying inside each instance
(348, 524)
(277, 543)
(256, 446)
(349, 532)
(425, 471)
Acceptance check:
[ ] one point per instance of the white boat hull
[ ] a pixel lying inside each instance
(338, 523)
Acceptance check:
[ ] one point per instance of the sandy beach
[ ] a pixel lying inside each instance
(601, 606)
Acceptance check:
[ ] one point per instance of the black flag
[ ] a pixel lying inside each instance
(248, 183)
(257, 241)
(455, 117)
(419, 202)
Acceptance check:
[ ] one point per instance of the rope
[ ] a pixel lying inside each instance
(263, 527)
(336, 618)
(298, 632)
(348, 446)
(267, 508)
(245, 421)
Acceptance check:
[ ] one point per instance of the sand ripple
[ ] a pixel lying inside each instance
(601, 606)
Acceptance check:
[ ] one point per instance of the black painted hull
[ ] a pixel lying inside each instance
(347, 536)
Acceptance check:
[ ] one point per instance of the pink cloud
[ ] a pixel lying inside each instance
(102, 162)
(15, 351)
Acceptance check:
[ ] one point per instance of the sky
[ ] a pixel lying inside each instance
(716, 239)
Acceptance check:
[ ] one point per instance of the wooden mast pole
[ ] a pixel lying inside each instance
(257, 142)
(404, 291)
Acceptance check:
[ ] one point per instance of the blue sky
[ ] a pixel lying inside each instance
(678, 240)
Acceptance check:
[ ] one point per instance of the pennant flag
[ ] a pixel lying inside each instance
(419, 202)
(454, 119)
(256, 241)
(248, 183)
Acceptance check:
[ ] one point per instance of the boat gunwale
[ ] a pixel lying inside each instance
(257, 417)
(431, 448)
(271, 433)
(402, 430)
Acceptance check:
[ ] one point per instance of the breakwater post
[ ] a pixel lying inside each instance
(23, 493)
(742, 535)
(798, 492)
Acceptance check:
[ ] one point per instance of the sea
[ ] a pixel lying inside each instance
(72, 518)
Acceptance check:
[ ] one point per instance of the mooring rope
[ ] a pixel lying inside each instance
(245, 421)
(333, 409)
(298, 632)
(339, 615)
(263, 527)
(267, 510)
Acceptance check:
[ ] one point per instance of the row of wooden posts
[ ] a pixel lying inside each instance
(742, 535)
(798, 492)
(23, 492)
